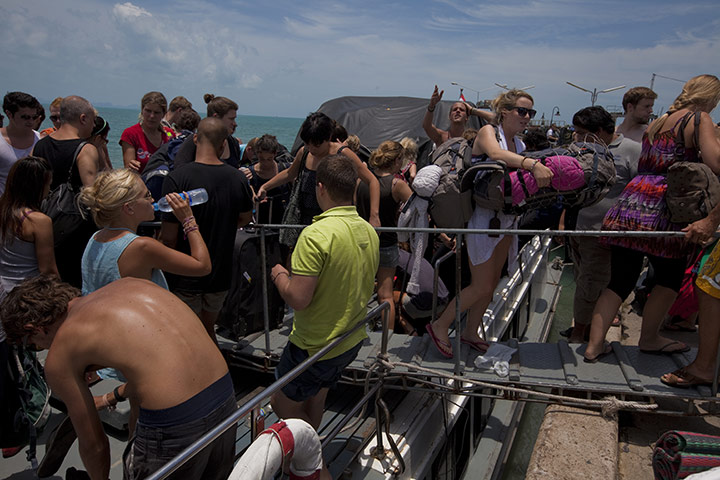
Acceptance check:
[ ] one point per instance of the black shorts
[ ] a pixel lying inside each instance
(626, 265)
(322, 374)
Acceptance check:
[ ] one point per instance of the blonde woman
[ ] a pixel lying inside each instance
(641, 206)
(386, 162)
(487, 255)
(119, 202)
(143, 139)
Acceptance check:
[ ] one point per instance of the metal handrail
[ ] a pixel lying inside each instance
(223, 426)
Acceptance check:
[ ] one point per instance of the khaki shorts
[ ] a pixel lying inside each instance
(708, 279)
(209, 302)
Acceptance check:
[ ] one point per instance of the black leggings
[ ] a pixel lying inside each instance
(626, 265)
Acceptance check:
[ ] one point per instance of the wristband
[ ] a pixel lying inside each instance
(188, 220)
(278, 274)
(116, 393)
(532, 169)
(430, 109)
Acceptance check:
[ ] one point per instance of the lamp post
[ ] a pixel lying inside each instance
(552, 115)
(505, 87)
(594, 92)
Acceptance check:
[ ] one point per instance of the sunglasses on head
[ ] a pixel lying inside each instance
(522, 111)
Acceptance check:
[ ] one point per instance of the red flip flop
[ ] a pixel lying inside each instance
(479, 345)
(443, 347)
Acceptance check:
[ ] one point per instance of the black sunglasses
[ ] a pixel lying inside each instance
(522, 111)
(55, 118)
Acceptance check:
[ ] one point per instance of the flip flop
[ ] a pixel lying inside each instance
(443, 347)
(680, 378)
(607, 350)
(479, 345)
(664, 349)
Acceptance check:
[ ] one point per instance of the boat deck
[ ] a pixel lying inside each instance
(626, 372)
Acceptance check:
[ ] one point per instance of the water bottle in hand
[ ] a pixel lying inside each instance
(195, 197)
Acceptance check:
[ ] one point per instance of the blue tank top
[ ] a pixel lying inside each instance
(99, 263)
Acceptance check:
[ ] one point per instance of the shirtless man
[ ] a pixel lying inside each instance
(177, 378)
(459, 114)
(638, 104)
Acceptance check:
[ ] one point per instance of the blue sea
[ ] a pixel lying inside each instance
(249, 126)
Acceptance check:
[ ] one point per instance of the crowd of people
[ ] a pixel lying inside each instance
(68, 289)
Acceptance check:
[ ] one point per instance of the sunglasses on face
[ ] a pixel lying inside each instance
(55, 118)
(29, 117)
(522, 111)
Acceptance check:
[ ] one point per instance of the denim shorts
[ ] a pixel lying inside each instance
(389, 256)
(322, 374)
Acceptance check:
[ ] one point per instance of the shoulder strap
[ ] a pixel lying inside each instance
(341, 149)
(74, 160)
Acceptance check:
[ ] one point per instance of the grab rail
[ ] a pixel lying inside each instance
(222, 427)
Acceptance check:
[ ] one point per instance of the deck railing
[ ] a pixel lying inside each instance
(381, 311)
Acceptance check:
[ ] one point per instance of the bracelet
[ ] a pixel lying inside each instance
(188, 220)
(522, 163)
(278, 274)
(116, 393)
(430, 109)
(189, 229)
(532, 169)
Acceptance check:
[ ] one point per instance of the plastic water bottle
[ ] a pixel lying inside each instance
(196, 197)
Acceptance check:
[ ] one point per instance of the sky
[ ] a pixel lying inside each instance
(285, 58)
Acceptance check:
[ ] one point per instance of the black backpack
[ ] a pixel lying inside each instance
(243, 313)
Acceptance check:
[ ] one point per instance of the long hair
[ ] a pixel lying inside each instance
(24, 189)
(697, 92)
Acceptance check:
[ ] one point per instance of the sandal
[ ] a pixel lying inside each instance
(443, 347)
(607, 350)
(479, 345)
(680, 378)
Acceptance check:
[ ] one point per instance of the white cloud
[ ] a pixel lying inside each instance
(130, 11)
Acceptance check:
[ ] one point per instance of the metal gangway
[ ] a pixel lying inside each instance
(539, 372)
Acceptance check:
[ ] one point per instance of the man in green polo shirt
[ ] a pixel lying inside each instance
(333, 273)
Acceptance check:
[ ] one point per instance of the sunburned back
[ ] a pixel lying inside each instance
(145, 332)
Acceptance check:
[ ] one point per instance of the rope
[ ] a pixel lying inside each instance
(608, 405)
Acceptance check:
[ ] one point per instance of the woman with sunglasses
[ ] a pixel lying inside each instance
(487, 254)
(26, 250)
(119, 201)
(18, 138)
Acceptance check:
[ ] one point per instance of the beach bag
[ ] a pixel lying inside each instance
(63, 208)
(292, 214)
(693, 190)
(449, 206)
(583, 174)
